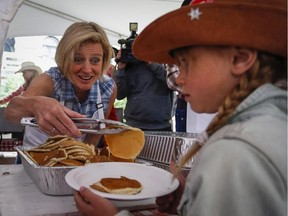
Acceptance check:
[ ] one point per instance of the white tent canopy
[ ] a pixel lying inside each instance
(52, 17)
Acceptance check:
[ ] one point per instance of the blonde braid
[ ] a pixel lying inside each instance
(262, 71)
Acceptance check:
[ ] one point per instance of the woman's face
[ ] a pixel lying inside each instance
(87, 66)
(205, 76)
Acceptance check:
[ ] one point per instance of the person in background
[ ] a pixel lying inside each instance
(149, 100)
(232, 54)
(181, 105)
(29, 71)
(77, 88)
(110, 72)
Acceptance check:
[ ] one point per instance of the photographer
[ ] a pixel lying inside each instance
(149, 100)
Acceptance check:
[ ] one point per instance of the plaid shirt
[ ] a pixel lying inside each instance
(172, 74)
(64, 92)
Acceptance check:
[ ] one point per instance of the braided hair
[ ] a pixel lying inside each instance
(267, 68)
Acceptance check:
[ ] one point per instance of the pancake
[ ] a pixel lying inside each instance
(122, 185)
(98, 158)
(70, 162)
(106, 152)
(127, 144)
(61, 150)
(42, 158)
(118, 159)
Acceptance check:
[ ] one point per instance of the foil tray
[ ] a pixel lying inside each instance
(49, 180)
(159, 150)
(163, 147)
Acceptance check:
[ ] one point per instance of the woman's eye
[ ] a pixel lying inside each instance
(94, 60)
(78, 60)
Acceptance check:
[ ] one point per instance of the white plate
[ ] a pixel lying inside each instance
(155, 181)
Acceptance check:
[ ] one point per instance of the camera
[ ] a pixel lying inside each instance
(126, 45)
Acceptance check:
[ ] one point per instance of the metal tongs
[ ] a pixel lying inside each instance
(88, 125)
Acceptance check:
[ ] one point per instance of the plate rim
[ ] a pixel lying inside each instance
(69, 175)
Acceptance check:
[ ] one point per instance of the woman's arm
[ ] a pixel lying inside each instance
(49, 113)
(31, 101)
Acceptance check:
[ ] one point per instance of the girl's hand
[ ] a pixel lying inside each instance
(89, 203)
(169, 203)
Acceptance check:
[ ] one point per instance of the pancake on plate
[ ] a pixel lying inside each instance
(122, 185)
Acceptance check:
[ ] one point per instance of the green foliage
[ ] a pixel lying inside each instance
(10, 84)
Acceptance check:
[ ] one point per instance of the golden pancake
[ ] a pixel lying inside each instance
(50, 154)
(57, 138)
(98, 158)
(71, 162)
(122, 185)
(117, 159)
(126, 145)
(41, 158)
(81, 158)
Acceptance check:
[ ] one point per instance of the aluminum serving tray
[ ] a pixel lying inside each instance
(163, 147)
(49, 180)
(159, 150)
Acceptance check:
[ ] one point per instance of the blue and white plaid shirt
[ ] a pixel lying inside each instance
(172, 74)
(65, 93)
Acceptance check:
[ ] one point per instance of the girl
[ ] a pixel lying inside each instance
(232, 54)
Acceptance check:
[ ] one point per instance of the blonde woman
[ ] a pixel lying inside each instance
(77, 87)
(231, 55)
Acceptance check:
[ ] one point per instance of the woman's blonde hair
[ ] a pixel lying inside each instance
(75, 35)
(267, 68)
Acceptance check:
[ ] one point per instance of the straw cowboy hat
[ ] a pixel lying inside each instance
(28, 65)
(258, 24)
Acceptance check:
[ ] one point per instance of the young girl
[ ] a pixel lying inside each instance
(232, 54)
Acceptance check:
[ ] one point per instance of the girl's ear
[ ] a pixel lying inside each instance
(243, 60)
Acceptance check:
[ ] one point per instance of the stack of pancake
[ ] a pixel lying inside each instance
(62, 150)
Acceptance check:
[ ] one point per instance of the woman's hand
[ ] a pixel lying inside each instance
(169, 202)
(54, 118)
(89, 203)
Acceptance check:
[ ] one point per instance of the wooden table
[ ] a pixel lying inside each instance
(20, 196)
